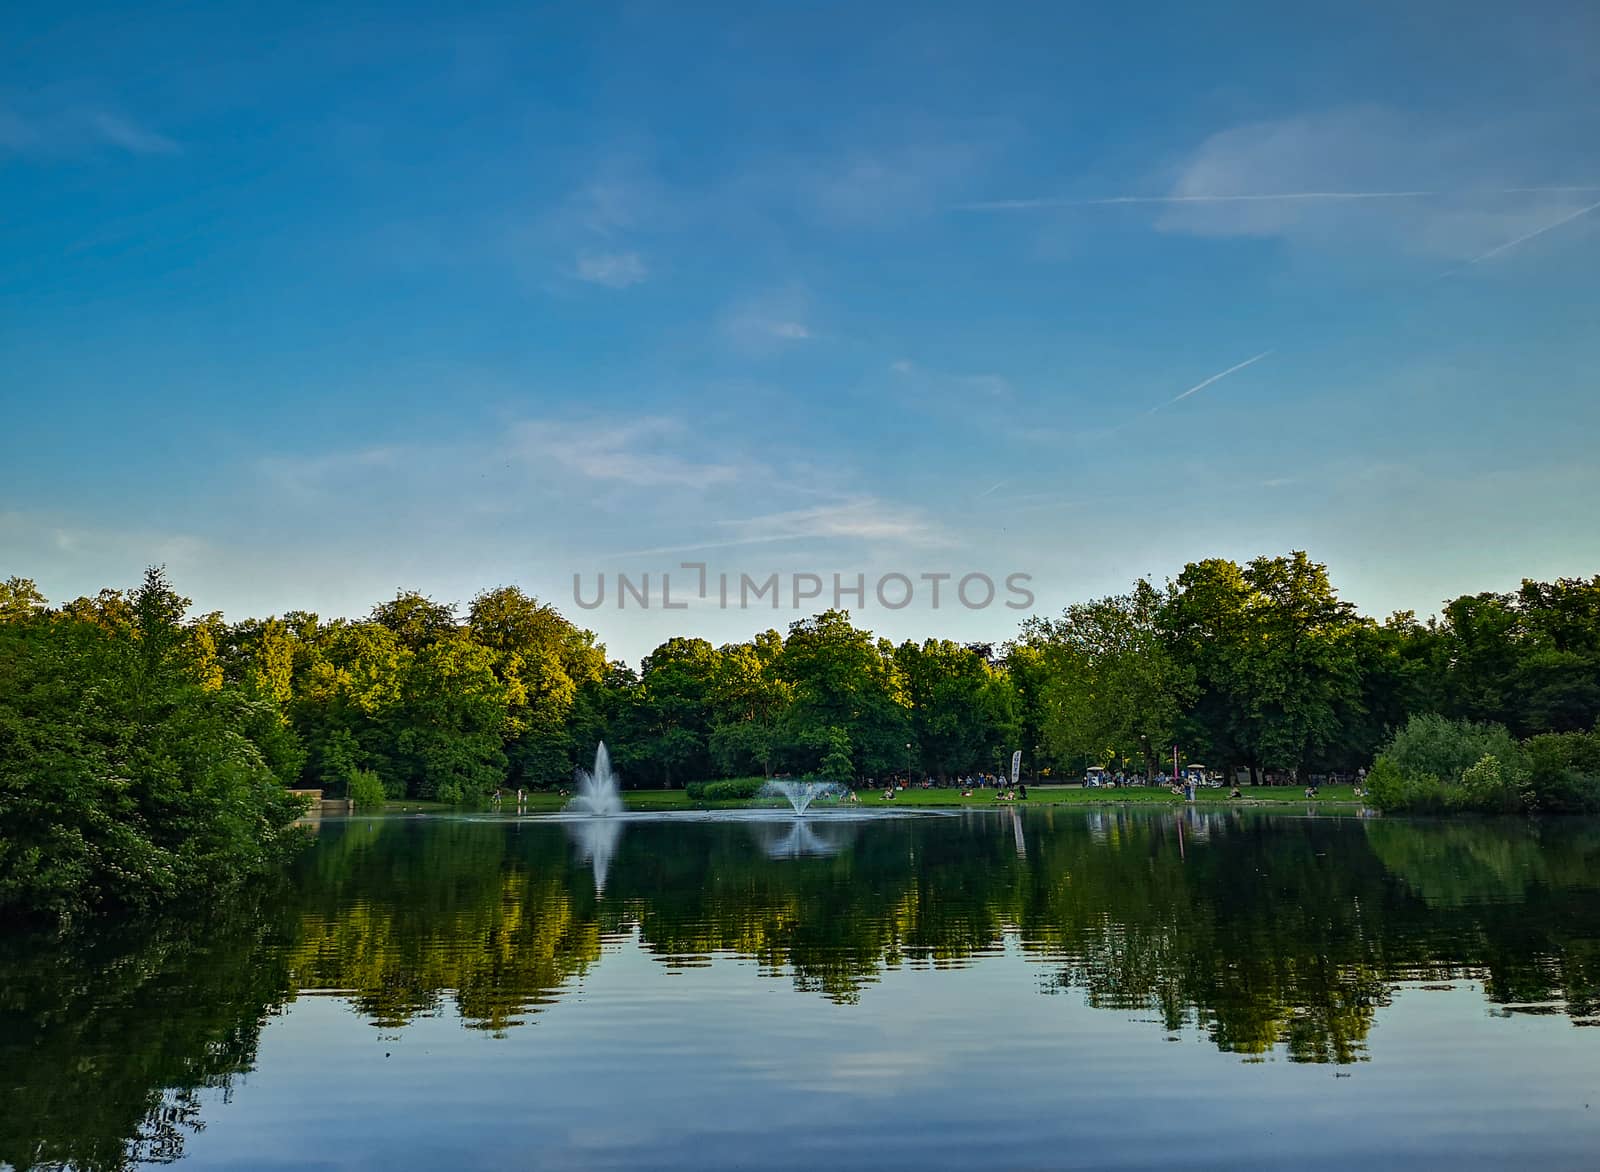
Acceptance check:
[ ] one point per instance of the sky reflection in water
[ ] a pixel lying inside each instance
(1060, 988)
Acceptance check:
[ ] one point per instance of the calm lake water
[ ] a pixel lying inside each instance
(1040, 989)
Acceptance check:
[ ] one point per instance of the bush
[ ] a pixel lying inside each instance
(1564, 773)
(1434, 764)
(735, 789)
(365, 789)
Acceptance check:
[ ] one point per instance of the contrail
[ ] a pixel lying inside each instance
(1523, 239)
(1200, 386)
(1022, 205)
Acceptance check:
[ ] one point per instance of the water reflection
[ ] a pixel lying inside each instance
(596, 840)
(1265, 934)
(799, 838)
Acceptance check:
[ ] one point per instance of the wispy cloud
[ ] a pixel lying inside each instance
(1347, 180)
(311, 478)
(769, 321)
(594, 233)
(130, 136)
(78, 128)
(638, 453)
(1037, 203)
(616, 270)
(948, 386)
(886, 185)
(861, 518)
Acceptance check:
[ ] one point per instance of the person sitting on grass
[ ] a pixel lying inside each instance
(1234, 793)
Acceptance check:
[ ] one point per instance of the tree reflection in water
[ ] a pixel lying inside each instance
(1270, 934)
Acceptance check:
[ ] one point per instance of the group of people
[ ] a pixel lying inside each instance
(522, 798)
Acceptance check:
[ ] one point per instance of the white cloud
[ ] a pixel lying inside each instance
(311, 478)
(76, 129)
(1363, 176)
(875, 187)
(860, 519)
(638, 453)
(594, 233)
(616, 270)
(131, 137)
(937, 390)
(863, 518)
(1360, 178)
(768, 322)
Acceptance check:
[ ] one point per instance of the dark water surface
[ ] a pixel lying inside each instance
(1046, 989)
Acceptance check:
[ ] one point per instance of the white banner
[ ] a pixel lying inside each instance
(1016, 766)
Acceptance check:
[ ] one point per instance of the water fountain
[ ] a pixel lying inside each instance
(598, 793)
(800, 794)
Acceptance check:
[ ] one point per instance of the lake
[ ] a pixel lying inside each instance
(1057, 988)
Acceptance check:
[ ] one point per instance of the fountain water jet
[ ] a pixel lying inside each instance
(598, 793)
(800, 794)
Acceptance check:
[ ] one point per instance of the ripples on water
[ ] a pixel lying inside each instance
(1050, 988)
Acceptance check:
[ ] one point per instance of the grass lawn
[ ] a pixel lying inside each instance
(1074, 795)
(655, 800)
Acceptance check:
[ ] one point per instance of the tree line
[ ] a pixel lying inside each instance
(126, 711)
(1259, 667)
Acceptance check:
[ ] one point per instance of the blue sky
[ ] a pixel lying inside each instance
(312, 303)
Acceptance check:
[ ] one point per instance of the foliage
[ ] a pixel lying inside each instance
(1564, 772)
(1113, 689)
(366, 789)
(128, 776)
(734, 789)
(1438, 764)
(1256, 666)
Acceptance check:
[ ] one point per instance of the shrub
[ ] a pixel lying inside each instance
(734, 789)
(1436, 764)
(1564, 773)
(365, 789)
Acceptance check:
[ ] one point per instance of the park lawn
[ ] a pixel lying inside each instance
(1073, 795)
(658, 800)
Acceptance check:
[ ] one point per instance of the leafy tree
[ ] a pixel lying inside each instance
(1275, 654)
(843, 679)
(416, 619)
(748, 702)
(19, 600)
(125, 779)
(1564, 772)
(543, 660)
(1113, 688)
(449, 725)
(961, 712)
(674, 707)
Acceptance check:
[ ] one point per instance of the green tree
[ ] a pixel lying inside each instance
(842, 678)
(1274, 652)
(125, 778)
(749, 702)
(1113, 688)
(961, 711)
